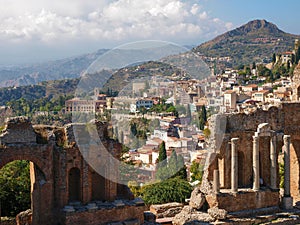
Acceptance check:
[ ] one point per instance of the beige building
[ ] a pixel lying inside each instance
(250, 88)
(260, 96)
(87, 106)
(230, 99)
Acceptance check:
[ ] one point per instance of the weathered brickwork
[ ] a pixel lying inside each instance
(107, 215)
(244, 200)
(284, 120)
(296, 84)
(65, 186)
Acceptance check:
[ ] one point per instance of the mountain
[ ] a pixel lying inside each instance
(53, 70)
(74, 67)
(255, 41)
(46, 89)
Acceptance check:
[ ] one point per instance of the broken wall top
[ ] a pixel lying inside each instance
(18, 130)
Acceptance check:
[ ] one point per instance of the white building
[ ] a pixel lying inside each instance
(230, 99)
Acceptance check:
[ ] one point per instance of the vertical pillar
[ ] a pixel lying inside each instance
(273, 160)
(256, 184)
(234, 165)
(287, 141)
(287, 200)
(216, 182)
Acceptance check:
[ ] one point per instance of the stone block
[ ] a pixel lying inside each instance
(218, 214)
(131, 222)
(166, 210)
(197, 199)
(91, 206)
(68, 208)
(118, 203)
(24, 218)
(149, 217)
(115, 223)
(287, 203)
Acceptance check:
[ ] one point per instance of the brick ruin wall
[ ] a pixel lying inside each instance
(53, 153)
(284, 120)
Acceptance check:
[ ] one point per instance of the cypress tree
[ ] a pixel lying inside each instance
(202, 118)
(173, 163)
(162, 152)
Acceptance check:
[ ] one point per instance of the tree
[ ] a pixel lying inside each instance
(174, 168)
(274, 58)
(181, 168)
(162, 152)
(202, 118)
(172, 164)
(133, 129)
(288, 66)
(196, 171)
(171, 190)
(14, 188)
(188, 112)
(135, 188)
(204, 113)
(297, 57)
(162, 171)
(206, 133)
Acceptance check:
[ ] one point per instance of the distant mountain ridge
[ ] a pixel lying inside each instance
(255, 41)
(53, 70)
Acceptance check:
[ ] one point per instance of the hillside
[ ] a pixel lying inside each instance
(53, 70)
(46, 90)
(254, 41)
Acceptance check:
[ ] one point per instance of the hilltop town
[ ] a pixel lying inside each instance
(165, 147)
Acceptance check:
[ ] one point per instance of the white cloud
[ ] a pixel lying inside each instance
(194, 9)
(203, 15)
(49, 22)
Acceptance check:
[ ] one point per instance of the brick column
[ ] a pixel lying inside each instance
(256, 184)
(287, 141)
(216, 185)
(287, 199)
(234, 165)
(273, 160)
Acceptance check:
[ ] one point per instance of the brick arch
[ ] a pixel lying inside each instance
(34, 160)
(41, 175)
(41, 156)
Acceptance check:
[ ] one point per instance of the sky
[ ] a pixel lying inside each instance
(40, 30)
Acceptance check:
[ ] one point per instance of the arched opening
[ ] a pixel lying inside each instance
(241, 169)
(21, 182)
(98, 187)
(15, 188)
(74, 185)
(295, 169)
(298, 93)
(264, 161)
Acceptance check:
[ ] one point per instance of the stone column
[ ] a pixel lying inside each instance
(234, 165)
(216, 185)
(273, 160)
(256, 177)
(287, 141)
(287, 199)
